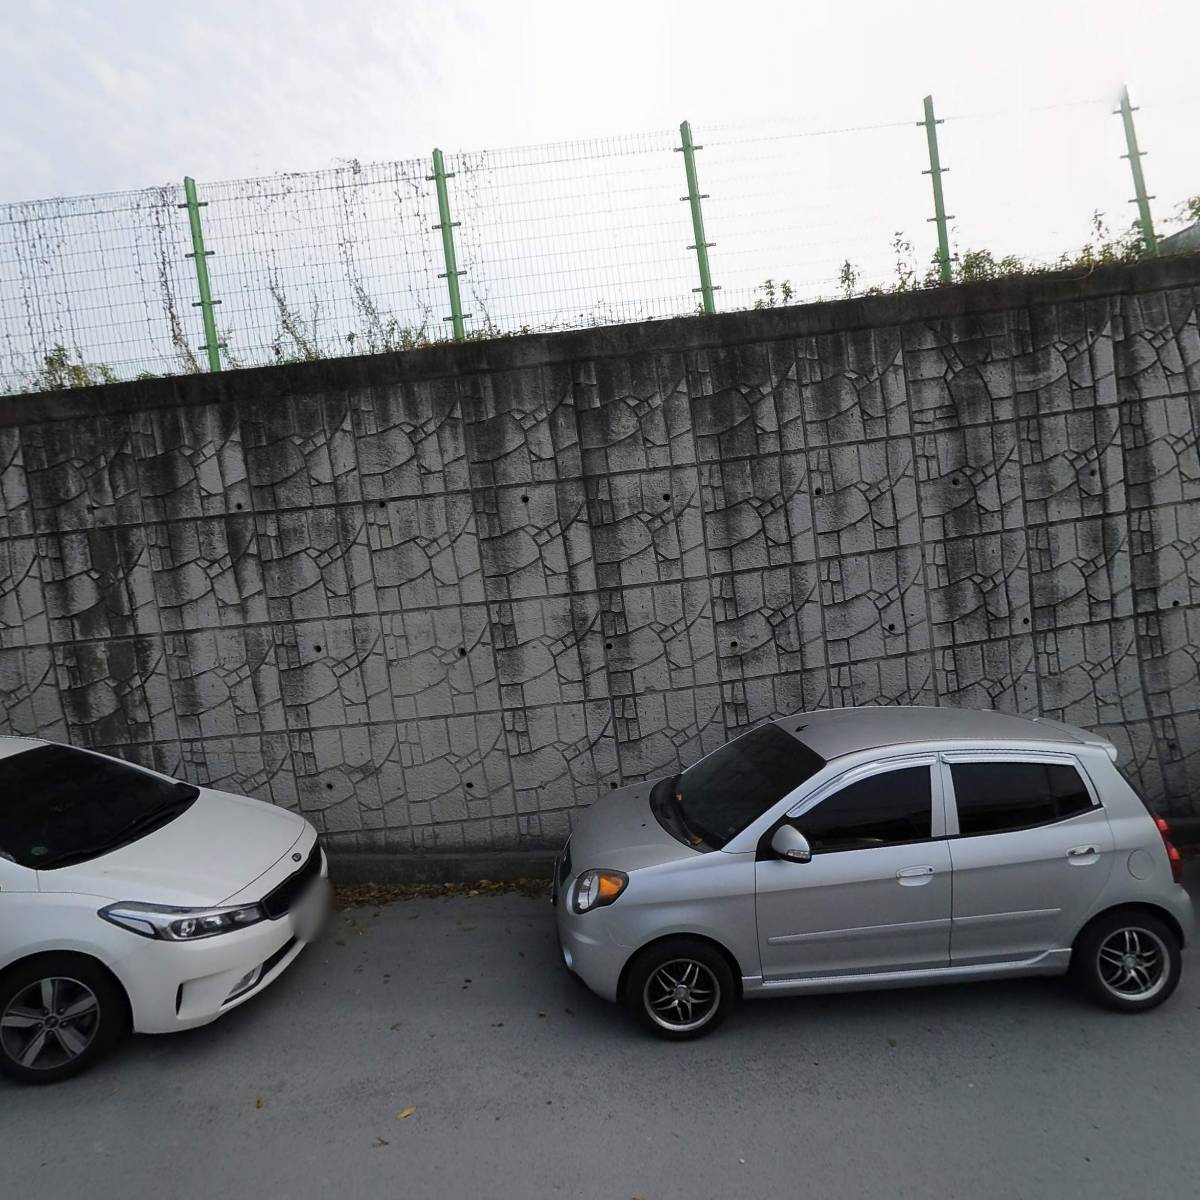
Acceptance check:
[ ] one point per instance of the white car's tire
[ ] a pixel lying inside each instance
(58, 1014)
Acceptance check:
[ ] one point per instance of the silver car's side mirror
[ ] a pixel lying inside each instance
(791, 845)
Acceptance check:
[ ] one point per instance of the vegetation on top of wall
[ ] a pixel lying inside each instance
(305, 339)
(62, 369)
(1102, 249)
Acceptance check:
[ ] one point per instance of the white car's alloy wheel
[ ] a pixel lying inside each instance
(49, 1023)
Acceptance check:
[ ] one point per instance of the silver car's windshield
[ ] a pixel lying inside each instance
(716, 798)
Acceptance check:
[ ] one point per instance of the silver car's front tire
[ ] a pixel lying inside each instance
(1128, 960)
(681, 988)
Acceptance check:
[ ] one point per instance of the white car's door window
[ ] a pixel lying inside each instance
(996, 797)
(887, 809)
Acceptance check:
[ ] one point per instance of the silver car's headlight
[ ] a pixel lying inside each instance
(596, 888)
(180, 924)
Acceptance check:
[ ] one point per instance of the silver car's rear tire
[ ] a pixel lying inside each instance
(1127, 960)
(681, 988)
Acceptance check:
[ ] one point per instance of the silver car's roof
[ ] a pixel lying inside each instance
(833, 732)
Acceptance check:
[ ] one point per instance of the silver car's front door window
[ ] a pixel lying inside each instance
(1032, 853)
(875, 895)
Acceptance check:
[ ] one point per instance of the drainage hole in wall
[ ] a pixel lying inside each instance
(891, 627)
(1174, 603)
(733, 645)
(470, 786)
(317, 649)
(817, 491)
(462, 652)
(238, 506)
(613, 786)
(1024, 620)
(956, 482)
(524, 499)
(383, 504)
(329, 787)
(666, 495)
(608, 645)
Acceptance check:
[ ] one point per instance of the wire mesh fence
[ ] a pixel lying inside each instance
(350, 259)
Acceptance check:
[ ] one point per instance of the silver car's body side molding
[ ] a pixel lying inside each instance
(787, 939)
(1050, 962)
(1009, 918)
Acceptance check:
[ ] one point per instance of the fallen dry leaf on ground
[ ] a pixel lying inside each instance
(371, 895)
(261, 1101)
(406, 1112)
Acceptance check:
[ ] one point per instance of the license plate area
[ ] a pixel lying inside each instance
(307, 915)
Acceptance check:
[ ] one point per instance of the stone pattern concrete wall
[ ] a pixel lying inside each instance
(440, 600)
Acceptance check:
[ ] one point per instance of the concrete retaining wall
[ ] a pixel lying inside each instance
(438, 600)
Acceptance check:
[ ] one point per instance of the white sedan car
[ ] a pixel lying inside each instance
(130, 900)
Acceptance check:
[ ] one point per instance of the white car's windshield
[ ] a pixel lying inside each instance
(716, 798)
(60, 806)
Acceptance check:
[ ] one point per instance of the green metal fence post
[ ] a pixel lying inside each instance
(447, 227)
(694, 197)
(939, 205)
(206, 302)
(1141, 199)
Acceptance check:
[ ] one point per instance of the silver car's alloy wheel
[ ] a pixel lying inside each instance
(49, 1023)
(1133, 963)
(681, 995)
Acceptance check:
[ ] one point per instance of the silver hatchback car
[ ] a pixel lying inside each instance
(873, 848)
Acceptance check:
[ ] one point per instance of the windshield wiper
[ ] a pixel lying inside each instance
(696, 834)
(168, 808)
(665, 809)
(147, 822)
(82, 854)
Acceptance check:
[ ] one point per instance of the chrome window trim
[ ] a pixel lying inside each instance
(830, 787)
(1064, 758)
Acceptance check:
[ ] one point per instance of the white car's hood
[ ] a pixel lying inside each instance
(217, 848)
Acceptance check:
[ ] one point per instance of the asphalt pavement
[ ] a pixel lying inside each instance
(524, 1085)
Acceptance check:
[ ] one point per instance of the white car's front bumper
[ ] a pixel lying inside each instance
(179, 985)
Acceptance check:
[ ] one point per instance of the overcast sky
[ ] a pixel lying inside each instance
(120, 94)
(113, 94)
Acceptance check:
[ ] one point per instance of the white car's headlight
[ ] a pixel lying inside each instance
(179, 924)
(596, 888)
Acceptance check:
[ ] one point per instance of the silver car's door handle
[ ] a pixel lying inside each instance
(913, 872)
(1081, 851)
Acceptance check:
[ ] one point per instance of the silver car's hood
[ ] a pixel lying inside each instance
(621, 832)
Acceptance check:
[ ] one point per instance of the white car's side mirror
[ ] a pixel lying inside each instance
(791, 845)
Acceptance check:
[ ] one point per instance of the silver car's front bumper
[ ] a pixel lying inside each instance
(587, 941)
(589, 952)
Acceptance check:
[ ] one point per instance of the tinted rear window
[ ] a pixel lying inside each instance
(59, 805)
(995, 796)
(723, 793)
